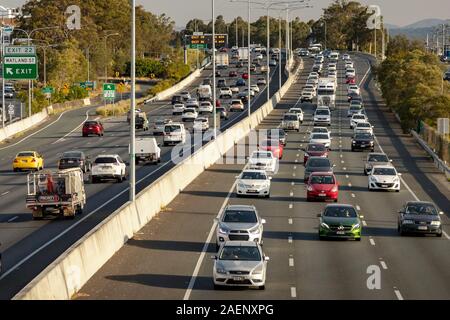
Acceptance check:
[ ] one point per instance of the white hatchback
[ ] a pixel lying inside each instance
(384, 178)
(253, 183)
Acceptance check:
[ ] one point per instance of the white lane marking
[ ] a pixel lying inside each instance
(291, 194)
(383, 264)
(13, 218)
(347, 176)
(290, 221)
(342, 155)
(5, 193)
(364, 223)
(353, 195)
(295, 167)
(445, 234)
(298, 154)
(291, 206)
(344, 168)
(292, 183)
(372, 242)
(358, 208)
(342, 161)
(63, 138)
(398, 294)
(289, 239)
(296, 161)
(291, 262)
(293, 292)
(45, 245)
(293, 174)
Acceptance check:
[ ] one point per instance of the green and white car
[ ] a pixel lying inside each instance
(340, 221)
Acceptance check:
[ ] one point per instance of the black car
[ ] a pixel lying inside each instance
(74, 159)
(354, 96)
(207, 82)
(363, 141)
(218, 74)
(221, 83)
(317, 164)
(419, 217)
(141, 122)
(177, 99)
(223, 112)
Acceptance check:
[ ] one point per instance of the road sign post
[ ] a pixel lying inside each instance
(10, 112)
(109, 93)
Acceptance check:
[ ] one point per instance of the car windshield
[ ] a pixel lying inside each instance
(316, 147)
(363, 125)
(359, 117)
(340, 212)
(262, 155)
(236, 102)
(189, 111)
(384, 172)
(105, 160)
(421, 209)
(240, 253)
(322, 112)
(363, 136)
(290, 117)
(172, 129)
(26, 154)
(322, 179)
(249, 175)
(354, 108)
(90, 123)
(324, 163)
(320, 136)
(71, 155)
(378, 158)
(205, 104)
(240, 216)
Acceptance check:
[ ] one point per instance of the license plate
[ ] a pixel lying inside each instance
(252, 191)
(340, 233)
(24, 161)
(384, 186)
(238, 278)
(322, 195)
(70, 161)
(363, 145)
(422, 228)
(106, 168)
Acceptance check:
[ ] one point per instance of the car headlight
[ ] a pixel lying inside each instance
(372, 178)
(435, 223)
(408, 222)
(223, 230)
(356, 226)
(353, 142)
(310, 188)
(241, 185)
(324, 225)
(396, 179)
(258, 270)
(221, 271)
(254, 230)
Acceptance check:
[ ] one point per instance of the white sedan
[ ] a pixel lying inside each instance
(201, 124)
(354, 88)
(178, 108)
(263, 160)
(255, 88)
(321, 138)
(253, 183)
(350, 73)
(205, 107)
(299, 113)
(357, 118)
(189, 114)
(364, 127)
(384, 178)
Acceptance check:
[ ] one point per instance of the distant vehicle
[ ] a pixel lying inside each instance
(178, 109)
(189, 114)
(174, 133)
(363, 141)
(249, 256)
(186, 95)
(384, 178)
(322, 186)
(357, 118)
(158, 128)
(218, 73)
(246, 91)
(177, 99)
(234, 89)
(298, 112)
(221, 83)
(354, 88)
(273, 63)
(350, 80)
(109, 167)
(191, 103)
(263, 160)
(223, 112)
(322, 138)
(272, 145)
(354, 109)
(319, 130)
(245, 76)
(28, 160)
(261, 82)
(204, 92)
(264, 69)
(345, 56)
(74, 159)
(239, 223)
(240, 83)
(322, 117)
(340, 221)
(56, 193)
(147, 150)
(363, 127)
(326, 92)
(306, 96)
(236, 105)
(232, 74)
(275, 134)
(93, 127)
(317, 164)
(207, 82)
(290, 121)
(141, 121)
(225, 93)
(205, 107)
(376, 159)
(201, 124)
(315, 150)
(255, 88)
(222, 60)
(419, 217)
(253, 183)
(353, 96)
(9, 94)
(447, 75)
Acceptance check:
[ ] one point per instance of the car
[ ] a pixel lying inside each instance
(263, 160)
(236, 105)
(375, 159)
(253, 68)
(239, 223)
(189, 114)
(9, 94)
(221, 83)
(223, 112)
(245, 76)
(290, 122)
(201, 124)
(332, 74)
(419, 217)
(207, 82)
(317, 68)
(350, 80)
(272, 63)
(93, 127)
(240, 263)
(28, 160)
(74, 159)
(322, 116)
(354, 88)
(447, 75)
(177, 99)
(355, 109)
(240, 83)
(252, 93)
(255, 88)
(315, 150)
(313, 82)
(174, 133)
(345, 56)
(322, 186)
(340, 221)
(298, 112)
(384, 178)
(158, 128)
(348, 65)
(225, 93)
(191, 103)
(234, 89)
(321, 138)
(240, 64)
(108, 166)
(178, 108)
(364, 127)
(253, 183)
(259, 56)
(272, 145)
(317, 164)
(309, 87)
(243, 96)
(306, 96)
(232, 74)
(275, 134)
(357, 118)
(353, 96)
(363, 141)
(205, 107)
(314, 74)
(261, 82)
(185, 95)
(218, 73)
(141, 121)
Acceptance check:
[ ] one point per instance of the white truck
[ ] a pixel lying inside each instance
(326, 93)
(59, 193)
(243, 53)
(204, 92)
(222, 61)
(147, 150)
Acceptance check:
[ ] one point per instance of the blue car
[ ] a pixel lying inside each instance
(240, 83)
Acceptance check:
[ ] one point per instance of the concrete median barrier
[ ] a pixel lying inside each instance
(67, 274)
(22, 125)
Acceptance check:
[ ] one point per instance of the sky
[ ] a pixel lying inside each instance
(397, 12)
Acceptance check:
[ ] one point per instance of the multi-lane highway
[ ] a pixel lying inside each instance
(29, 246)
(170, 257)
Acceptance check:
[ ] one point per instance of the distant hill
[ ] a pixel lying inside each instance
(419, 29)
(426, 23)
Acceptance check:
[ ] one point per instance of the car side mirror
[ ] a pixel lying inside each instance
(270, 178)
(362, 217)
(266, 258)
(399, 174)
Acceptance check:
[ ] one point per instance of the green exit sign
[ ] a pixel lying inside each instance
(20, 68)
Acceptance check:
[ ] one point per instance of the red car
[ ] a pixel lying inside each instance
(315, 150)
(272, 145)
(322, 186)
(232, 74)
(93, 127)
(245, 76)
(350, 81)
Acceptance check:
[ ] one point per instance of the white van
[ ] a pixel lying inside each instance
(174, 133)
(204, 92)
(147, 149)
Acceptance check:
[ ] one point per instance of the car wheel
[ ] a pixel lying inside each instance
(268, 196)
(261, 287)
(94, 180)
(397, 190)
(217, 287)
(439, 235)
(358, 239)
(336, 200)
(15, 169)
(321, 237)
(353, 149)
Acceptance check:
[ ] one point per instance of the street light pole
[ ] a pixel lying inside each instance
(106, 49)
(132, 107)
(214, 68)
(249, 60)
(279, 47)
(267, 55)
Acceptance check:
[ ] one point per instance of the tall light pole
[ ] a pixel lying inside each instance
(249, 61)
(106, 50)
(214, 68)
(132, 106)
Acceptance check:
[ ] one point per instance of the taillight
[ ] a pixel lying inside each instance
(15, 160)
(34, 160)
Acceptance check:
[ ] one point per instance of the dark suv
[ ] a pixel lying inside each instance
(74, 159)
(93, 127)
(177, 99)
(363, 141)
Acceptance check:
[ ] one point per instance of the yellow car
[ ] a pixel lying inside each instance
(28, 160)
